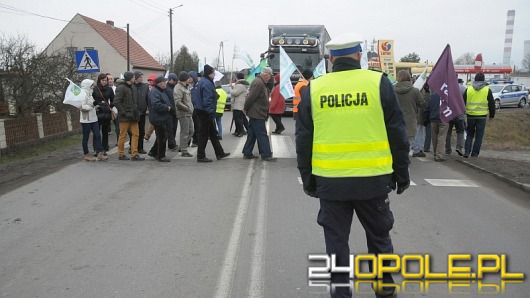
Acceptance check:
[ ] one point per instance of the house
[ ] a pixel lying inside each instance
(111, 43)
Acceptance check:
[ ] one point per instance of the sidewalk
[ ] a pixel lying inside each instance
(512, 167)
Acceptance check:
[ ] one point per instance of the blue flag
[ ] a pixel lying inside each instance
(443, 82)
(320, 70)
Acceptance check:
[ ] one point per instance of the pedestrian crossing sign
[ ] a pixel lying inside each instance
(87, 61)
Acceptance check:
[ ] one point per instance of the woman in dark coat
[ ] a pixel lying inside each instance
(103, 98)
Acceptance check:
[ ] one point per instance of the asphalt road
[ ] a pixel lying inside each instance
(236, 228)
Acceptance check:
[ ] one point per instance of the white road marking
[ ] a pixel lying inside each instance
(451, 182)
(282, 146)
(228, 269)
(256, 267)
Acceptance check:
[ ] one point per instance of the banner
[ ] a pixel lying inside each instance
(241, 54)
(287, 67)
(74, 95)
(320, 70)
(420, 80)
(443, 81)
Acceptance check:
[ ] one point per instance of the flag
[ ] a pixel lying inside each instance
(257, 70)
(287, 67)
(320, 70)
(167, 74)
(443, 82)
(420, 80)
(218, 76)
(74, 95)
(243, 55)
(364, 56)
(200, 66)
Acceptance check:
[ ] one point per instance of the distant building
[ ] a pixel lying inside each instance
(111, 43)
(526, 48)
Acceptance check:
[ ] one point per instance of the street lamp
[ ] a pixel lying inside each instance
(171, 35)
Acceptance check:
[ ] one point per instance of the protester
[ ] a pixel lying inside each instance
(104, 97)
(129, 117)
(116, 121)
(160, 110)
(151, 128)
(205, 104)
(420, 143)
(410, 101)
(238, 94)
(277, 106)
(140, 91)
(438, 128)
(172, 124)
(184, 112)
(193, 82)
(89, 122)
(257, 109)
(479, 100)
(220, 108)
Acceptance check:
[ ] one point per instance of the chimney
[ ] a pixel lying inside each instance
(110, 23)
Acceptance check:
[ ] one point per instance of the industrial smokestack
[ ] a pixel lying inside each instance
(508, 38)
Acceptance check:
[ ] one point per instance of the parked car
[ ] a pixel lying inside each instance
(509, 95)
(228, 106)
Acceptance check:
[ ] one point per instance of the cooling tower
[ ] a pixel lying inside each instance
(508, 38)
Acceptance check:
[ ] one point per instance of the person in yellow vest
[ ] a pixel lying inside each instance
(479, 102)
(307, 75)
(352, 150)
(221, 103)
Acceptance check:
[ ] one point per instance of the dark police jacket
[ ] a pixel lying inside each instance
(354, 188)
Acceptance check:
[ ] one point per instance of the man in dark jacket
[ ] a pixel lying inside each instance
(140, 91)
(129, 116)
(172, 124)
(257, 109)
(351, 154)
(195, 96)
(160, 110)
(205, 104)
(438, 128)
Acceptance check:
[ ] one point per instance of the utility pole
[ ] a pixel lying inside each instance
(171, 36)
(128, 50)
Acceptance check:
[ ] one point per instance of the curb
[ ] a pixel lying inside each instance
(523, 186)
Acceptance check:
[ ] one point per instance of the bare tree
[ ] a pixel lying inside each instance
(466, 59)
(526, 63)
(31, 80)
(163, 59)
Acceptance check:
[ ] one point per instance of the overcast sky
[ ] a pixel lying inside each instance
(421, 26)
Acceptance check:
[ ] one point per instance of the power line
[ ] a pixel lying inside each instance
(147, 7)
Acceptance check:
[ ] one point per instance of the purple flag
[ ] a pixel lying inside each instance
(444, 82)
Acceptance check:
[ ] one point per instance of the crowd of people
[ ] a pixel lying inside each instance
(192, 99)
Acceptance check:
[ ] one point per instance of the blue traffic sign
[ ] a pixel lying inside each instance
(87, 61)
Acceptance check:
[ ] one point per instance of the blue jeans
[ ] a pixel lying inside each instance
(257, 132)
(475, 129)
(419, 139)
(218, 120)
(94, 127)
(427, 145)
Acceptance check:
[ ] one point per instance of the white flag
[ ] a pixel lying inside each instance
(320, 70)
(287, 67)
(218, 76)
(420, 80)
(364, 57)
(200, 67)
(74, 95)
(243, 55)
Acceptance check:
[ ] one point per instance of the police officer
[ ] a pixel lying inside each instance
(352, 150)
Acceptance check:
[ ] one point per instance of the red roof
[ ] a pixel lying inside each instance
(117, 38)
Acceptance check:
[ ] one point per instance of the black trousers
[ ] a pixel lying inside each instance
(336, 219)
(277, 118)
(207, 130)
(159, 147)
(238, 121)
(196, 123)
(172, 126)
(105, 128)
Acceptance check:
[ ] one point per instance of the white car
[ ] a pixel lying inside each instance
(509, 95)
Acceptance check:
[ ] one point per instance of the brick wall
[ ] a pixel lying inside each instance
(54, 123)
(20, 130)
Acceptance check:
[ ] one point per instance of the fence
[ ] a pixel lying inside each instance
(27, 131)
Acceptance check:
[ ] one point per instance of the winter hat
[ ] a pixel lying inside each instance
(160, 79)
(183, 76)
(127, 76)
(172, 76)
(138, 74)
(151, 77)
(240, 75)
(277, 78)
(307, 74)
(208, 70)
(479, 77)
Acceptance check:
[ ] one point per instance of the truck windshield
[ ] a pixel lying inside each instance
(302, 61)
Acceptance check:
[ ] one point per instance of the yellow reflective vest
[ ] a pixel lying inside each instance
(349, 138)
(221, 101)
(477, 101)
